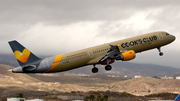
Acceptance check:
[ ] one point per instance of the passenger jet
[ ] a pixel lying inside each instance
(104, 54)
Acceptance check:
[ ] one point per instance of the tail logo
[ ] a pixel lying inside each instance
(22, 56)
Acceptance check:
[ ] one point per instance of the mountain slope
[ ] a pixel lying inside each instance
(145, 86)
(4, 74)
(131, 69)
(11, 83)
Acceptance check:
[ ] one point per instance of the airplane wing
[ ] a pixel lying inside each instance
(113, 53)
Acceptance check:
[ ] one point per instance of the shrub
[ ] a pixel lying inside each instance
(19, 95)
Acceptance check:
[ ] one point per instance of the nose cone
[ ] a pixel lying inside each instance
(174, 38)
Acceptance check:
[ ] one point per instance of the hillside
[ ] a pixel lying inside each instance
(131, 69)
(86, 81)
(7, 75)
(13, 83)
(145, 86)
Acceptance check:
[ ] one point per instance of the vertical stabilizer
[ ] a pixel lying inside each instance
(23, 55)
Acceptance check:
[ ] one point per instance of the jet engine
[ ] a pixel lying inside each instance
(126, 56)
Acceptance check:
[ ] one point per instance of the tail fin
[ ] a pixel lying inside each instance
(23, 55)
(177, 98)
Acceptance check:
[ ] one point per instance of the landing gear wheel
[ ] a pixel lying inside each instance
(161, 53)
(108, 67)
(95, 70)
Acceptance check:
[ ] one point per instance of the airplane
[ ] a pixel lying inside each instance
(104, 54)
(177, 98)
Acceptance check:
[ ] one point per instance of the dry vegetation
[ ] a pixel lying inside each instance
(145, 86)
(51, 85)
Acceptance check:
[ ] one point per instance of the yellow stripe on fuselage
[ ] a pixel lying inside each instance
(55, 63)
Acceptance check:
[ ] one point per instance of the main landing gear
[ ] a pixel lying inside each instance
(107, 67)
(160, 53)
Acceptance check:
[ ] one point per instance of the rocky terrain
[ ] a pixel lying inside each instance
(40, 84)
(145, 86)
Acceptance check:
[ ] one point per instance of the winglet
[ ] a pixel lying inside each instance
(177, 98)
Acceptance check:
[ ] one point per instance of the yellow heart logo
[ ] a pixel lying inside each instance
(23, 57)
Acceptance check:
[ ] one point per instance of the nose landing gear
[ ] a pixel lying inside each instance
(160, 53)
(95, 69)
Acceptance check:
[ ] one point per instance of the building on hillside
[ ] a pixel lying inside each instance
(167, 77)
(125, 76)
(136, 76)
(178, 77)
(23, 99)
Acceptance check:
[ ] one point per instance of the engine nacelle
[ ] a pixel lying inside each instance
(129, 55)
(126, 56)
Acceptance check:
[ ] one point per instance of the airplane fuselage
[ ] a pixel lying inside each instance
(92, 55)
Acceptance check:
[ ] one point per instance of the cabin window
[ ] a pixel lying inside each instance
(167, 34)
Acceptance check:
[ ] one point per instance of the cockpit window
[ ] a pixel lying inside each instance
(167, 34)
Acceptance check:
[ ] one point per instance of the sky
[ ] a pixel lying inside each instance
(52, 27)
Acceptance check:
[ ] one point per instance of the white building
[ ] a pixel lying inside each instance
(18, 99)
(178, 77)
